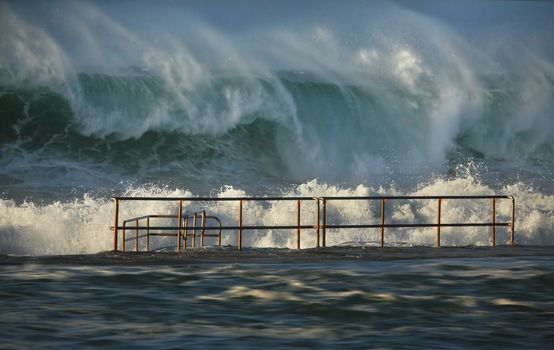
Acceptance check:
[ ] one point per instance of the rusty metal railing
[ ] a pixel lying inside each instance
(202, 228)
(320, 218)
(181, 237)
(438, 224)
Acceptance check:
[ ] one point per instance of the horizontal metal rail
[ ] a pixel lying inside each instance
(419, 225)
(320, 215)
(231, 199)
(149, 234)
(292, 227)
(223, 228)
(412, 197)
(212, 199)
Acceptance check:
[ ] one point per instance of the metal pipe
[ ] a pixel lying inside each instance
(512, 226)
(494, 222)
(116, 223)
(298, 224)
(234, 199)
(194, 231)
(136, 236)
(218, 228)
(324, 233)
(186, 230)
(147, 235)
(383, 201)
(305, 227)
(320, 222)
(438, 243)
(239, 231)
(317, 224)
(179, 214)
(203, 228)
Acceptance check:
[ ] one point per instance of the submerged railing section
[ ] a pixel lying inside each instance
(187, 227)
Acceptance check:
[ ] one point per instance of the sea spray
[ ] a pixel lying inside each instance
(82, 225)
(112, 108)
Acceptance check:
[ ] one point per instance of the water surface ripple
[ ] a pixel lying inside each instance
(447, 303)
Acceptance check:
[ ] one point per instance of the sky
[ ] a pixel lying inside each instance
(502, 27)
(245, 15)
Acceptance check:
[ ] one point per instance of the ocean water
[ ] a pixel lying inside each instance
(117, 109)
(503, 303)
(205, 99)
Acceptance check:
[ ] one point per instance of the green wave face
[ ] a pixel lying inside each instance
(250, 130)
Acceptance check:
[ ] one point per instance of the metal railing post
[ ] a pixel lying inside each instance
(494, 222)
(136, 235)
(239, 231)
(194, 231)
(324, 232)
(438, 242)
(179, 214)
(186, 230)
(512, 224)
(298, 224)
(383, 201)
(203, 228)
(147, 234)
(317, 224)
(116, 222)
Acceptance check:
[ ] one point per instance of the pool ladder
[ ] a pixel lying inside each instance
(184, 232)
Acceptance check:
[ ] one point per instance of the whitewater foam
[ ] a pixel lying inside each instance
(82, 225)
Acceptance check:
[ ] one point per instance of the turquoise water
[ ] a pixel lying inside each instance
(436, 304)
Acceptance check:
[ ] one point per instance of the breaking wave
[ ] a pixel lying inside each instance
(89, 111)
